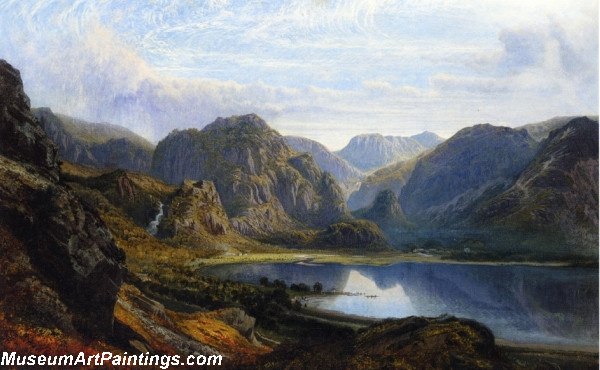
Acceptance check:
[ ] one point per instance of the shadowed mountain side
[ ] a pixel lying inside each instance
(475, 164)
(265, 186)
(385, 211)
(369, 152)
(557, 192)
(392, 177)
(346, 174)
(96, 144)
(357, 235)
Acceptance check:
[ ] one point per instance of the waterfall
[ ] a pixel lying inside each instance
(153, 225)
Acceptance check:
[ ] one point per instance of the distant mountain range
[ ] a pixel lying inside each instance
(96, 144)
(370, 152)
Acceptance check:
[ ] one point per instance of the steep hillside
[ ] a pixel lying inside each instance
(475, 164)
(96, 144)
(61, 268)
(558, 191)
(369, 152)
(346, 174)
(265, 186)
(392, 177)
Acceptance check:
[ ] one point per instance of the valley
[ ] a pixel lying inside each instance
(420, 219)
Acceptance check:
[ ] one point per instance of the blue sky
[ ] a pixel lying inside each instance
(327, 70)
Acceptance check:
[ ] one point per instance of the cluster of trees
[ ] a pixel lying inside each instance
(280, 284)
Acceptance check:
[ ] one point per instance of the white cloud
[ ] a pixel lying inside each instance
(321, 69)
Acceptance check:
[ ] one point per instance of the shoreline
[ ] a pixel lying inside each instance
(378, 259)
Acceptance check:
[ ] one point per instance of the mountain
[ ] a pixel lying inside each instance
(540, 130)
(392, 177)
(264, 185)
(475, 164)
(557, 191)
(61, 268)
(96, 144)
(369, 152)
(385, 211)
(346, 174)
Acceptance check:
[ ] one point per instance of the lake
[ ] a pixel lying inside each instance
(529, 304)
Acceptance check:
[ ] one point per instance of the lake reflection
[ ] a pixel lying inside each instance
(519, 303)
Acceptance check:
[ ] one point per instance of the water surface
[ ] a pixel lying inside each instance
(529, 304)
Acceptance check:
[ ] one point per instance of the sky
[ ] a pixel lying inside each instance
(326, 70)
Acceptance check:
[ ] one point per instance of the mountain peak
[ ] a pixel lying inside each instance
(251, 120)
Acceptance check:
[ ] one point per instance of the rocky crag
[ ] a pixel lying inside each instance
(264, 185)
(60, 266)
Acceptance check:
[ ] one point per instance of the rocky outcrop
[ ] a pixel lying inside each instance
(369, 152)
(195, 211)
(238, 319)
(265, 186)
(475, 164)
(408, 343)
(21, 136)
(96, 144)
(346, 174)
(67, 252)
(126, 187)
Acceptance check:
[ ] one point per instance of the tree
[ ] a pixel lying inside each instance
(318, 287)
(264, 281)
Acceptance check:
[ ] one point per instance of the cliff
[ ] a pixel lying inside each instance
(264, 185)
(60, 266)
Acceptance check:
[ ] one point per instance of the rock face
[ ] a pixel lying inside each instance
(21, 136)
(475, 164)
(96, 144)
(346, 174)
(265, 186)
(196, 210)
(370, 152)
(558, 190)
(71, 268)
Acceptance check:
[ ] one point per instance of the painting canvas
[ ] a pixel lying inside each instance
(334, 184)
